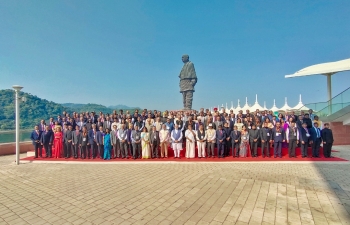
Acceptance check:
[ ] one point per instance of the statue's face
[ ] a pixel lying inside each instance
(185, 58)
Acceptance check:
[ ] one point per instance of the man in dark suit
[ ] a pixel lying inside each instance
(300, 122)
(128, 132)
(220, 141)
(254, 135)
(305, 139)
(327, 137)
(278, 137)
(35, 137)
(68, 136)
(42, 125)
(99, 141)
(46, 141)
(307, 120)
(136, 142)
(316, 140)
(235, 141)
(154, 140)
(92, 141)
(75, 141)
(227, 139)
(265, 136)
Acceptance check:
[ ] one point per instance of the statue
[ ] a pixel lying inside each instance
(188, 80)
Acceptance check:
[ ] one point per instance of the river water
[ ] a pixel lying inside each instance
(11, 136)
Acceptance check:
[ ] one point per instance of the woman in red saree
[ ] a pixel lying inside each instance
(58, 142)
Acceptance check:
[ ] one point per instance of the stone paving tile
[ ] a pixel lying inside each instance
(176, 193)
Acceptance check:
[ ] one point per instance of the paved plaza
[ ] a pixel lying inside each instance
(176, 193)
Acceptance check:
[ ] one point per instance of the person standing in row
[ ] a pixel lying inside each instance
(211, 139)
(164, 136)
(201, 141)
(58, 142)
(278, 137)
(83, 143)
(107, 144)
(122, 134)
(244, 147)
(136, 142)
(46, 141)
(68, 137)
(227, 130)
(176, 137)
(327, 137)
(99, 140)
(292, 136)
(75, 141)
(265, 135)
(316, 140)
(154, 142)
(115, 141)
(305, 139)
(254, 136)
(93, 143)
(220, 141)
(146, 149)
(190, 142)
(235, 140)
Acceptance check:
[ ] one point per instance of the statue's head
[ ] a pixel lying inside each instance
(185, 58)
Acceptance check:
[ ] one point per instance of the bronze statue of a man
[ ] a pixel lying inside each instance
(188, 80)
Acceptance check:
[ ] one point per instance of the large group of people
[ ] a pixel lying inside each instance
(149, 134)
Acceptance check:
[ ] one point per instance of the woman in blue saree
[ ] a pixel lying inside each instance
(107, 145)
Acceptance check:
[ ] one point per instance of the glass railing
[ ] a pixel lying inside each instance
(324, 109)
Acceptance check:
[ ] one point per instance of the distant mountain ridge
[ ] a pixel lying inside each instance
(35, 109)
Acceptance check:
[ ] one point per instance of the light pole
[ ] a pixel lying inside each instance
(17, 89)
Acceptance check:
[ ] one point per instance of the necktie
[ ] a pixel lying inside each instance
(221, 132)
(318, 133)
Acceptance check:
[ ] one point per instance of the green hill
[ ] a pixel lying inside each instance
(32, 110)
(35, 109)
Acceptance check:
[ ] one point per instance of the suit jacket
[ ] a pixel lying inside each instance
(76, 137)
(227, 131)
(327, 136)
(235, 137)
(254, 134)
(303, 136)
(35, 136)
(156, 135)
(114, 137)
(313, 133)
(265, 134)
(308, 122)
(128, 133)
(105, 125)
(220, 136)
(278, 136)
(81, 139)
(92, 138)
(99, 137)
(98, 124)
(46, 137)
(68, 135)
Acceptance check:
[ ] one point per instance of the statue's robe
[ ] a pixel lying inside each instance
(188, 77)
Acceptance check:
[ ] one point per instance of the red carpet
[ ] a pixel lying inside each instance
(285, 157)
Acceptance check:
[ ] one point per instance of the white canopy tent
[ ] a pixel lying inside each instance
(256, 105)
(232, 108)
(300, 106)
(285, 107)
(238, 108)
(265, 106)
(327, 69)
(246, 106)
(274, 108)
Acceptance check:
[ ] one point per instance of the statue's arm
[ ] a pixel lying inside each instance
(192, 73)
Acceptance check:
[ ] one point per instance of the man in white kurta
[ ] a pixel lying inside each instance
(163, 139)
(190, 142)
(201, 141)
(176, 137)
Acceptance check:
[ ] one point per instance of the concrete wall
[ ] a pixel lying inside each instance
(10, 148)
(341, 133)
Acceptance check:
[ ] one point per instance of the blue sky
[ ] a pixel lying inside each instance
(129, 52)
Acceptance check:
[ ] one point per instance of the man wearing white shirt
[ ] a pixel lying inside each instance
(176, 137)
(164, 138)
(115, 141)
(211, 139)
(201, 141)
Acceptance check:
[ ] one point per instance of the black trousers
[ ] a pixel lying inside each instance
(254, 148)
(83, 151)
(38, 148)
(291, 147)
(75, 150)
(131, 148)
(68, 149)
(316, 147)
(265, 148)
(304, 149)
(48, 150)
(221, 148)
(235, 149)
(136, 150)
(227, 148)
(277, 147)
(100, 150)
(155, 146)
(94, 150)
(327, 149)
